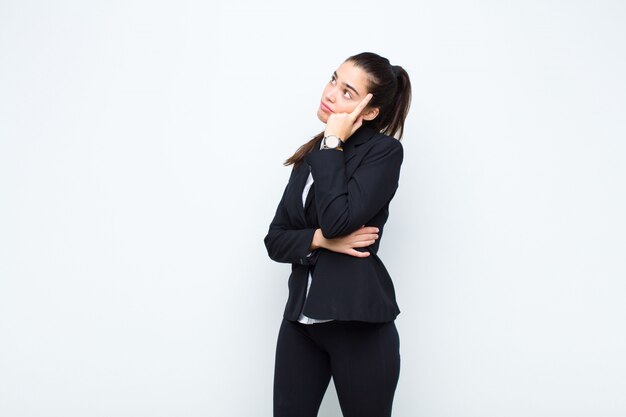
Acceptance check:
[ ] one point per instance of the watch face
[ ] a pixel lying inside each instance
(332, 141)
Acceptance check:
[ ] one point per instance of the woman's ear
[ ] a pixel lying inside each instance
(370, 114)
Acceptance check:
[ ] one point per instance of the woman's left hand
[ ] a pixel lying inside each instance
(343, 125)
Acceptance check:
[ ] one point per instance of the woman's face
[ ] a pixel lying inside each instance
(346, 88)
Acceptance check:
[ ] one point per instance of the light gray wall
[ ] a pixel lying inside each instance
(140, 164)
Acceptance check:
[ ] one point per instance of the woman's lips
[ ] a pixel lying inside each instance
(325, 108)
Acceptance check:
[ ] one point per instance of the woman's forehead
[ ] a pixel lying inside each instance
(353, 75)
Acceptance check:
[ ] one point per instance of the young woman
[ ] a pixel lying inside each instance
(339, 318)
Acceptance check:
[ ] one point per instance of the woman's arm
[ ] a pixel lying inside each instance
(285, 244)
(344, 204)
(363, 237)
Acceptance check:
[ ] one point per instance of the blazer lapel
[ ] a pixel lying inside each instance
(293, 200)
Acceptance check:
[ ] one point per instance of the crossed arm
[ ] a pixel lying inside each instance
(285, 244)
(343, 206)
(361, 238)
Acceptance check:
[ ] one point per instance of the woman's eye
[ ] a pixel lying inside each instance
(347, 94)
(333, 81)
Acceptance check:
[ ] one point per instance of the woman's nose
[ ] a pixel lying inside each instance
(331, 93)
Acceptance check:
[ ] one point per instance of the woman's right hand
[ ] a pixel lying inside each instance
(363, 237)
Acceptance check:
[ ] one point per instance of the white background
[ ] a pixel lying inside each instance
(141, 145)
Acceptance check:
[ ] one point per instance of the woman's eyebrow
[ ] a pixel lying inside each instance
(346, 84)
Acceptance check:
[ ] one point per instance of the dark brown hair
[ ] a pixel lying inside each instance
(391, 90)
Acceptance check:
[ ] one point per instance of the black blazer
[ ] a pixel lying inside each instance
(351, 188)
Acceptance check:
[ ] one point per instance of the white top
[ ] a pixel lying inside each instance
(304, 319)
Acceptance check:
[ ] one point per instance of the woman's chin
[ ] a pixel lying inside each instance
(322, 116)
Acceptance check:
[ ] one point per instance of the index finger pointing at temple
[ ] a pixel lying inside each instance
(359, 108)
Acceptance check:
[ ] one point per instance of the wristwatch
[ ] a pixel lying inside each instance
(332, 142)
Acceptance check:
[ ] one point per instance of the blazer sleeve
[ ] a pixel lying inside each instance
(345, 204)
(286, 244)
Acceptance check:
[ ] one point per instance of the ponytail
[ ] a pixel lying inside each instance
(391, 87)
(400, 105)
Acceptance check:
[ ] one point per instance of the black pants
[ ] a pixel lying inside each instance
(363, 359)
